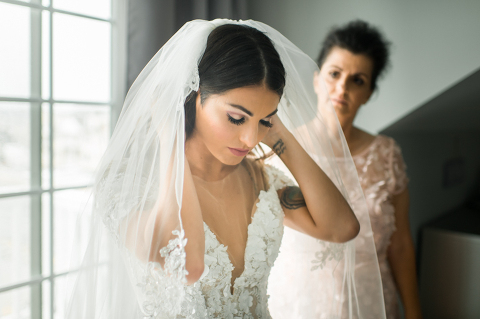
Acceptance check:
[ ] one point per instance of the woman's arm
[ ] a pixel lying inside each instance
(316, 207)
(192, 222)
(401, 256)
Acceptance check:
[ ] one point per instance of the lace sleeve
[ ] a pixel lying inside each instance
(277, 178)
(399, 179)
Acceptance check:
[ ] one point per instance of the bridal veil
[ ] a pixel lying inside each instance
(126, 271)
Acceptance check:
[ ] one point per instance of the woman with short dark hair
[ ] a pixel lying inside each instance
(352, 59)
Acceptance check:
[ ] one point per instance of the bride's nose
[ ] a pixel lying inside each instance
(249, 136)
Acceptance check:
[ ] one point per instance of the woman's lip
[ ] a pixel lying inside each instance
(239, 151)
(340, 101)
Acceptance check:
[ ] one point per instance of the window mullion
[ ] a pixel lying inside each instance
(50, 150)
(35, 162)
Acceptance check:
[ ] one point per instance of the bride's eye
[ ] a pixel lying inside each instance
(236, 121)
(266, 123)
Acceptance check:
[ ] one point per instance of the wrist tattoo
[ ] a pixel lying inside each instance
(279, 147)
(292, 198)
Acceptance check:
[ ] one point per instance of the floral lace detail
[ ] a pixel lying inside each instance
(211, 296)
(277, 178)
(331, 251)
(152, 278)
(381, 171)
(194, 80)
(161, 291)
(112, 204)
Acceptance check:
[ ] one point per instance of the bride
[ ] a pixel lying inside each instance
(188, 219)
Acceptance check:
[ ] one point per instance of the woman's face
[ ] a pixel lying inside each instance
(347, 78)
(231, 124)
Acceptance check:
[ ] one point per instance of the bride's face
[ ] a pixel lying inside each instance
(231, 124)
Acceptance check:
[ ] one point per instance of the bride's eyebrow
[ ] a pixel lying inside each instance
(248, 112)
(241, 108)
(273, 113)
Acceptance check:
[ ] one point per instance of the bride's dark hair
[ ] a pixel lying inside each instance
(236, 56)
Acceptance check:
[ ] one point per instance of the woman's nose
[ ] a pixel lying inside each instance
(249, 136)
(341, 86)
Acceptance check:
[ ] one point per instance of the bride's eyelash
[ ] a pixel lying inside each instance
(266, 123)
(235, 121)
(242, 120)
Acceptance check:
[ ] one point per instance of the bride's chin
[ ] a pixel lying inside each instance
(231, 160)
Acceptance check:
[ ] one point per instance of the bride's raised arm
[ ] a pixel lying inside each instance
(316, 207)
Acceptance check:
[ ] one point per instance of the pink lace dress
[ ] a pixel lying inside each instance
(381, 171)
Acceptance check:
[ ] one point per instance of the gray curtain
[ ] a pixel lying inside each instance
(152, 22)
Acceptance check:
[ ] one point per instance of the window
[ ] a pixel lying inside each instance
(62, 82)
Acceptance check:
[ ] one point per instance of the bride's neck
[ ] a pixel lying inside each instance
(203, 163)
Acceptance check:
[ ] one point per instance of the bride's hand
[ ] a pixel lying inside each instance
(275, 132)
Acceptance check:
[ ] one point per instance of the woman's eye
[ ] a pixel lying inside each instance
(236, 121)
(358, 81)
(266, 123)
(334, 74)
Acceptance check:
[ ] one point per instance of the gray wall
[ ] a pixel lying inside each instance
(425, 154)
(435, 43)
(152, 22)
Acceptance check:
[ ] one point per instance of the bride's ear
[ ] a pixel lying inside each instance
(198, 100)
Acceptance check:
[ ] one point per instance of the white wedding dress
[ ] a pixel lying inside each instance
(214, 296)
(138, 193)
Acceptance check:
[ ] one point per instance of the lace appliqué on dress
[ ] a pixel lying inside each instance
(331, 251)
(249, 298)
(165, 296)
(160, 290)
(382, 175)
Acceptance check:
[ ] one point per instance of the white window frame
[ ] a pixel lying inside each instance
(118, 58)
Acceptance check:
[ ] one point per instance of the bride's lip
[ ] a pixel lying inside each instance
(239, 151)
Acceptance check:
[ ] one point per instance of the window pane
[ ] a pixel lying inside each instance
(97, 8)
(46, 146)
(68, 205)
(46, 299)
(46, 54)
(59, 298)
(81, 53)
(46, 234)
(80, 135)
(14, 146)
(14, 240)
(15, 50)
(15, 303)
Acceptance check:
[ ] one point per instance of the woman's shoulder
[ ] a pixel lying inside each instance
(380, 145)
(364, 143)
(387, 142)
(268, 173)
(253, 166)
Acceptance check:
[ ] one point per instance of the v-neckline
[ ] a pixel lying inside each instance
(232, 286)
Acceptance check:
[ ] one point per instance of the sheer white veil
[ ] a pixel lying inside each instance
(126, 271)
